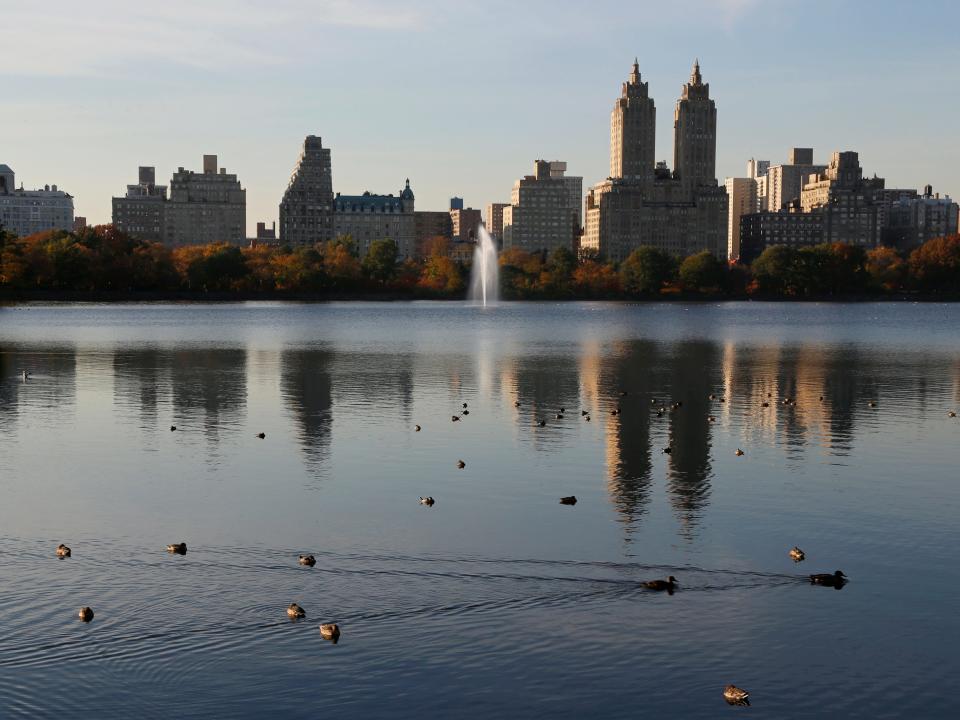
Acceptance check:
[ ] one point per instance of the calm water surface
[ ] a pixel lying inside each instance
(497, 601)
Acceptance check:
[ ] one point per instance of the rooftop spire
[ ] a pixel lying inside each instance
(695, 77)
(635, 72)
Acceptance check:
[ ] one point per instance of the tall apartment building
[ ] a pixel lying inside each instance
(544, 210)
(205, 207)
(141, 213)
(495, 220)
(912, 219)
(784, 182)
(306, 210)
(848, 202)
(24, 212)
(758, 171)
(742, 200)
(644, 203)
(370, 217)
(464, 223)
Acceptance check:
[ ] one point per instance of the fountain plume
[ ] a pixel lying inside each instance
(485, 273)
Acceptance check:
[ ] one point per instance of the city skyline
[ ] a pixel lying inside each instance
(539, 86)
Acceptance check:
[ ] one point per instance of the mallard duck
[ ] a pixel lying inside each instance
(464, 406)
(667, 584)
(872, 403)
(559, 416)
(615, 412)
(736, 696)
(837, 579)
(740, 452)
(261, 435)
(711, 418)
(295, 611)
(173, 428)
(330, 631)
(951, 414)
(427, 501)
(416, 428)
(454, 418)
(712, 397)
(584, 413)
(308, 560)
(178, 548)
(587, 418)
(63, 551)
(542, 423)
(569, 500)
(667, 450)
(85, 614)
(562, 410)
(466, 412)
(765, 404)
(516, 403)
(797, 554)
(461, 464)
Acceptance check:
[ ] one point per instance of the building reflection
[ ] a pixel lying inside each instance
(307, 389)
(209, 389)
(141, 382)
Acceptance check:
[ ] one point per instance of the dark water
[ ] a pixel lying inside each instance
(497, 601)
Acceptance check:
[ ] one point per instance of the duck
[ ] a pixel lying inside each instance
(330, 631)
(658, 585)
(797, 554)
(63, 551)
(295, 611)
(952, 413)
(541, 423)
(740, 452)
(677, 405)
(872, 403)
(177, 548)
(428, 501)
(711, 418)
(261, 435)
(712, 397)
(461, 464)
(559, 416)
(85, 614)
(659, 413)
(653, 401)
(173, 428)
(821, 398)
(25, 375)
(615, 412)
(584, 413)
(569, 500)
(308, 560)
(837, 579)
(454, 418)
(723, 400)
(464, 406)
(765, 404)
(736, 696)
(623, 393)
(465, 412)
(562, 410)
(416, 428)
(587, 418)
(667, 450)
(516, 403)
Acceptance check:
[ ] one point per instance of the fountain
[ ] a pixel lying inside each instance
(485, 273)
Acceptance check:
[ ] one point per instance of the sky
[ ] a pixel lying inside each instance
(461, 97)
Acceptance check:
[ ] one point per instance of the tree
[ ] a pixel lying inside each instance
(935, 265)
(441, 275)
(887, 269)
(595, 279)
(381, 260)
(702, 272)
(646, 271)
(339, 263)
(774, 270)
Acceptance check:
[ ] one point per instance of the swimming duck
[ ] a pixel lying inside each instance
(659, 413)
(295, 611)
(584, 413)
(653, 401)
(308, 560)
(713, 397)
(766, 404)
(837, 579)
(872, 403)
(739, 452)
(542, 423)
(177, 548)
(261, 435)
(570, 500)
(461, 464)
(516, 403)
(821, 398)
(615, 412)
(25, 375)
(562, 410)
(464, 406)
(454, 418)
(63, 551)
(428, 501)
(559, 416)
(667, 584)
(623, 393)
(330, 631)
(667, 450)
(736, 696)
(416, 428)
(797, 554)
(85, 614)
(466, 412)
(711, 418)
(587, 418)
(173, 428)
(951, 414)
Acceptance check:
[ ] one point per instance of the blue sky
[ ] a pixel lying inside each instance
(461, 97)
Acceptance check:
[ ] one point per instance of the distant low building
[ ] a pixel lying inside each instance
(544, 211)
(370, 217)
(205, 207)
(25, 212)
(141, 213)
(265, 235)
(79, 223)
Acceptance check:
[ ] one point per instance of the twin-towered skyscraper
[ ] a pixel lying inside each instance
(642, 202)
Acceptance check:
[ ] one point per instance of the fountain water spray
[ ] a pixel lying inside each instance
(485, 274)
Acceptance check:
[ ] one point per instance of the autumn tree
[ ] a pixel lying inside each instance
(380, 263)
(702, 272)
(935, 265)
(646, 271)
(887, 269)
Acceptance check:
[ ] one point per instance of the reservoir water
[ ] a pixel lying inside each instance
(497, 601)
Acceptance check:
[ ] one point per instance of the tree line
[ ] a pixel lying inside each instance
(103, 260)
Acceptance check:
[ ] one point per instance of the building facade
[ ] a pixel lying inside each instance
(464, 223)
(758, 231)
(306, 210)
(784, 182)
(370, 217)
(205, 207)
(643, 203)
(544, 211)
(741, 200)
(25, 212)
(430, 224)
(141, 213)
(495, 220)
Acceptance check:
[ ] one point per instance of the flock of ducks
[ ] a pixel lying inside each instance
(328, 631)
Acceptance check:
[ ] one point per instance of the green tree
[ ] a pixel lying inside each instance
(702, 272)
(774, 270)
(646, 270)
(380, 263)
(935, 265)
